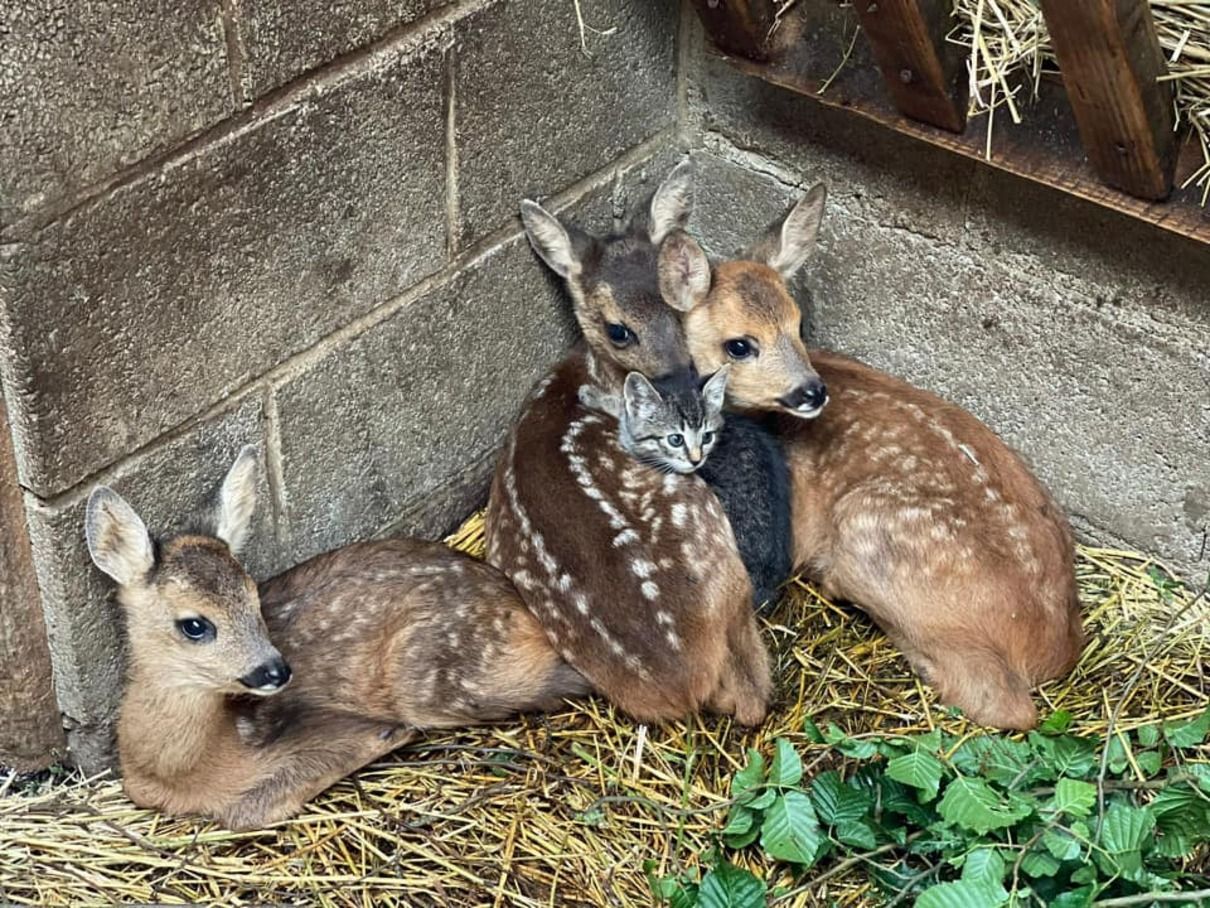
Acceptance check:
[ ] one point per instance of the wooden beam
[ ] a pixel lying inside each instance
(31, 733)
(1110, 58)
(921, 71)
(740, 27)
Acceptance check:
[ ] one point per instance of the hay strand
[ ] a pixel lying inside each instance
(564, 809)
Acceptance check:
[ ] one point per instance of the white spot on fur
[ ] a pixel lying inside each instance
(679, 513)
(624, 538)
(650, 590)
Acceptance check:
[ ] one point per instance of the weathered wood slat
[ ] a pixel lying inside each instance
(922, 72)
(1110, 58)
(740, 27)
(30, 729)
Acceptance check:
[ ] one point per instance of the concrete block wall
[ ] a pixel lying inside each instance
(291, 224)
(1081, 336)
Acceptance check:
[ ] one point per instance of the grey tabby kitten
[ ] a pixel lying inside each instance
(674, 431)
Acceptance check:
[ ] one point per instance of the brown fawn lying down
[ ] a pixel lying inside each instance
(903, 503)
(633, 573)
(241, 704)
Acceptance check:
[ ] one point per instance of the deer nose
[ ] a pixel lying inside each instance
(809, 396)
(271, 676)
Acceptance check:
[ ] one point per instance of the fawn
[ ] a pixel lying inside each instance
(241, 705)
(633, 572)
(903, 503)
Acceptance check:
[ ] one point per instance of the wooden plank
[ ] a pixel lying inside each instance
(30, 729)
(740, 27)
(1110, 58)
(922, 73)
(1045, 148)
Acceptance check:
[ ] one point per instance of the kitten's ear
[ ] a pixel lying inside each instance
(714, 392)
(597, 399)
(237, 499)
(684, 271)
(560, 246)
(787, 243)
(642, 399)
(117, 538)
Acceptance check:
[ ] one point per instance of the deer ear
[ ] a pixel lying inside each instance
(559, 246)
(641, 398)
(787, 243)
(684, 271)
(117, 538)
(667, 208)
(237, 499)
(714, 392)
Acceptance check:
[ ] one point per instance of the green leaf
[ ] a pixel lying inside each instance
(1149, 735)
(973, 804)
(786, 770)
(1065, 755)
(961, 894)
(1188, 734)
(728, 886)
(984, 866)
(811, 730)
(750, 776)
(1074, 898)
(766, 797)
(899, 799)
(858, 833)
(858, 750)
(1039, 864)
(1149, 762)
(1085, 874)
(920, 769)
(1060, 844)
(741, 828)
(1073, 797)
(1124, 832)
(1117, 759)
(834, 801)
(790, 831)
(998, 759)
(1058, 722)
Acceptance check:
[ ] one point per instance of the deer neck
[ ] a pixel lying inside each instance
(604, 374)
(167, 732)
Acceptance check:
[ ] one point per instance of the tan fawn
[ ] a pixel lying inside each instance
(903, 503)
(633, 573)
(241, 705)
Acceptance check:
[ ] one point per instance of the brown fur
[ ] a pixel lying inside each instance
(908, 506)
(384, 638)
(650, 604)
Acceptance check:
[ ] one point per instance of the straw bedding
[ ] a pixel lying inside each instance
(1008, 50)
(564, 809)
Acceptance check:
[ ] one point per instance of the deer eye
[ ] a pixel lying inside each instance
(739, 348)
(196, 629)
(619, 335)
(676, 439)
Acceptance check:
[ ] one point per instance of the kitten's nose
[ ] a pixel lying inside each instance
(695, 456)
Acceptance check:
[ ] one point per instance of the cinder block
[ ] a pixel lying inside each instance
(284, 40)
(1116, 422)
(536, 111)
(89, 87)
(168, 487)
(871, 172)
(393, 415)
(142, 309)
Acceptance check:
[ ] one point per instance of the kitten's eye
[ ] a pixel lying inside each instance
(196, 629)
(676, 439)
(619, 335)
(707, 438)
(739, 348)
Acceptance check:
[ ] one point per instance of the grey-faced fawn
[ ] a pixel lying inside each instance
(677, 427)
(903, 503)
(632, 571)
(241, 704)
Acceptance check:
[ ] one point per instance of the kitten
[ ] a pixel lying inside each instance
(680, 428)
